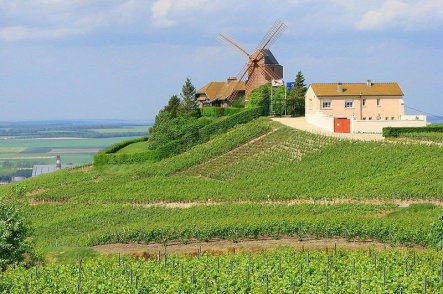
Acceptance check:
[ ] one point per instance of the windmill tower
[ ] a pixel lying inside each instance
(262, 66)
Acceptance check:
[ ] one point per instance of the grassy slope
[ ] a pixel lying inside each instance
(258, 161)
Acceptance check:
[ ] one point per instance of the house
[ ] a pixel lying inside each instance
(220, 93)
(49, 168)
(358, 107)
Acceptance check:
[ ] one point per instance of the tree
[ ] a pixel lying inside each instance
(13, 235)
(296, 97)
(189, 102)
(173, 106)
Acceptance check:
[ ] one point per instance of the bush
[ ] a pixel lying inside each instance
(13, 234)
(396, 132)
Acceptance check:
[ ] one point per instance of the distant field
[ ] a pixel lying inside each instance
(122, 130)
(22, 147)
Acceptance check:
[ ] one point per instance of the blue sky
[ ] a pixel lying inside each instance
(93, 59)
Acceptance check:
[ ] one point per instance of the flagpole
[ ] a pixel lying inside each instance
(286, 105)
(270, 102)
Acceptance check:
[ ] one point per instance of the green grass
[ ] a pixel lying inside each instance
(135, 148)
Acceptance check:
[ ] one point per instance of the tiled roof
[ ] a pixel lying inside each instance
(355, 89)
(219, 90)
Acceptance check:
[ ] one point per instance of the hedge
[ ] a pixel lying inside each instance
(396, 131)
(232, 110)
(108, 156)
(211, 111)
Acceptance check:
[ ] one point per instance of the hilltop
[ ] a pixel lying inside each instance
(258, 179)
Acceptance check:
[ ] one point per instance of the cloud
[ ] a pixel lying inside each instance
(168, 13)
(55, 19)
(401, 13)
(160, 10)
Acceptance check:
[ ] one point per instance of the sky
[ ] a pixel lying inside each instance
(123, 59)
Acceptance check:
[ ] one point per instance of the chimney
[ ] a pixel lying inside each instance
(340, 87)
(58, 163)
(369, 83)
(231, 79)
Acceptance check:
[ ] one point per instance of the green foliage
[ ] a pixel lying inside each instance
(260, 97)
(13, 236)
(272, 271)
(431, 133)
(211, 111)
(173, 107)
(227, 111)
(296, 96)
(108, 156)
(189, 103)
(238, 102)
(225, 123)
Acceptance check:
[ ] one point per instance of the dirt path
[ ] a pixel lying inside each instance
(223, 246)
(397, 202)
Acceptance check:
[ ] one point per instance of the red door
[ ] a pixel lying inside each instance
(342, 125)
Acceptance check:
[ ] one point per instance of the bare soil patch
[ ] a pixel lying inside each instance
(37, 201)
(399, 202)
(217, 247)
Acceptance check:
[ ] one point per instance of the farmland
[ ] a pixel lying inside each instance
(283, 270)
(259, 180)
(77, 143)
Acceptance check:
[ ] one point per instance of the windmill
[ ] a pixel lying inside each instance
(262, 66)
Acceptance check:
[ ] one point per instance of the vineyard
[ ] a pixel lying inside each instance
(278, 271)
(256, 181)
(258, 161)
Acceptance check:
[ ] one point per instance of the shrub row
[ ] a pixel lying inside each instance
(108, 156)
(397, 132)
(211, 111)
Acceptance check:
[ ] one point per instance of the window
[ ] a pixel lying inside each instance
(364, 118)
(378, 101)
(370, 118)
(349, 103)
(363, 102)
(326, 104)
(386, 118)
(392, 118)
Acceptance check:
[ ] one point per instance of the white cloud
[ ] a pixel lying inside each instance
(167, 13)
(160, 11)
(402, 13)
(55, 19)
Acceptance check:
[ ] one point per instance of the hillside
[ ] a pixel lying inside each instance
(252, 173)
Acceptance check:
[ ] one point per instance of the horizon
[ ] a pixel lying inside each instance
(125, 58)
